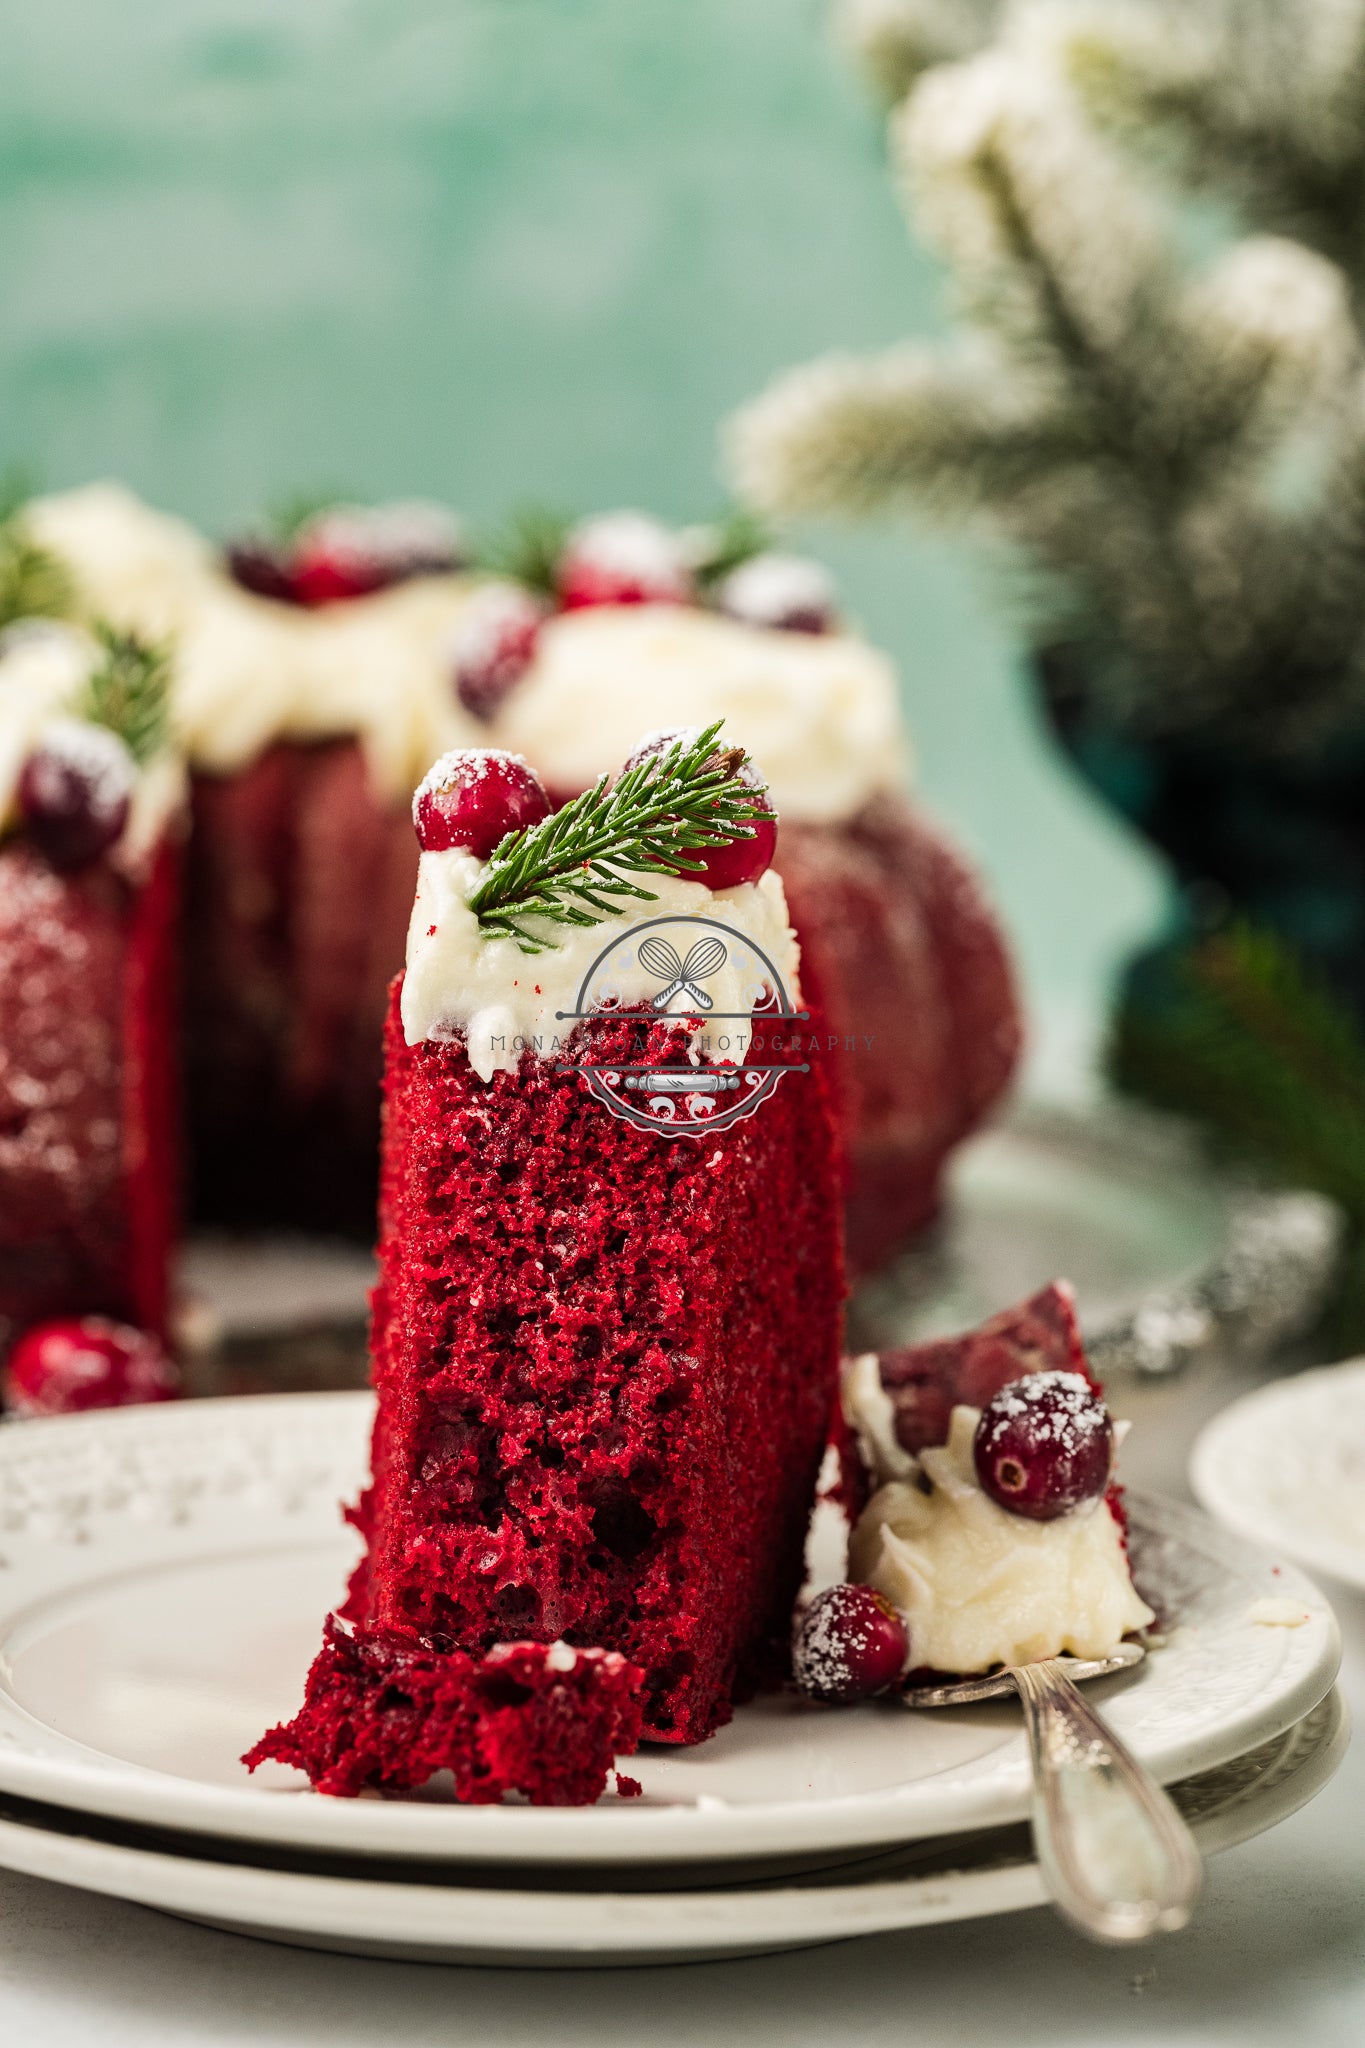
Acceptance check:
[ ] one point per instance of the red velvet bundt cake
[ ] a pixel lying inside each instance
(311, 688)
(88, 1134)
(606, 1329)
(313, 680)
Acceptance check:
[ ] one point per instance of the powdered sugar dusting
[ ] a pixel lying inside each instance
(410, 530)
(770, 588)
(629, 544)
(464, 768)
(97, 756)
(493, 612)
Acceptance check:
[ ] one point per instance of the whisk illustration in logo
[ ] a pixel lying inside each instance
(736, 1025)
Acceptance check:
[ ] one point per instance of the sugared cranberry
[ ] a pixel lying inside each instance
(353, 550)
(851, 1644)
(1043, 1445)
(475, 796)
(330, 565)
(74, 793)
(622, 558)
(493, 644)
(262, 569)
(62, 1367)
(785, 592)
(736, 860)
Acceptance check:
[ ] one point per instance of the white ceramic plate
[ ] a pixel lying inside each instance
(163, 1581)
(1286, 1466)
(396, 1911)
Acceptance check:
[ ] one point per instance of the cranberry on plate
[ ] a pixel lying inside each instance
(63, 1367)
(852, 1644)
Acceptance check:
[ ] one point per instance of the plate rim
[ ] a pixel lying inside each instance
(789, 1914)
(1208, 1462)
(502, 1834)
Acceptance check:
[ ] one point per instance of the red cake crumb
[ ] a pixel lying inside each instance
(628, 1788)
(606, 1361)
(907, 975)
(88, 1178)
(379, 1711)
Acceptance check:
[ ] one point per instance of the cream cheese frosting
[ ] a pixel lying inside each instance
(501, 1001)
(818, 713)
(979, 1586)
(247, 671)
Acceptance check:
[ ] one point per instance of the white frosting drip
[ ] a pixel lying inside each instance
(979, 1586)
(503, 1001)
(817, 712)
(247, 671)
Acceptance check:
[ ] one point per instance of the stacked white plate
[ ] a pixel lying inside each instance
(163, 1578)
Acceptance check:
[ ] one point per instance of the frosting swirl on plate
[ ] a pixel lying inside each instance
(979, 1586)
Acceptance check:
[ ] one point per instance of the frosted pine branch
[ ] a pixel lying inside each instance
(896, 40)
(948, 430)
(1257, 98)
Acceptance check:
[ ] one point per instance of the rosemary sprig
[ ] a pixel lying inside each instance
(730, 540)
(33, 583)
(528, 548)
(567, 869)
(286, 519)
(128, 692)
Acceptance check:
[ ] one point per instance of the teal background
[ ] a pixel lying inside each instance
(493, 250)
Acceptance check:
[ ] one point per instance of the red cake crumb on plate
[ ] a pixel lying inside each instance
(381, 1712)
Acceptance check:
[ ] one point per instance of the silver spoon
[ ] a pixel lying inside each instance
(1117, 1858)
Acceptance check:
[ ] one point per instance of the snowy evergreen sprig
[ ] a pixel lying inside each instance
(573, 868)
(1173, 451)
(1257, 101)
(896, 40)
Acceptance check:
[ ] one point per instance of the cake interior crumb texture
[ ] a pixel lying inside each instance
(606, 1360)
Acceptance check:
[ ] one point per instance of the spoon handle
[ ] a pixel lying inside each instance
(1118, 1859)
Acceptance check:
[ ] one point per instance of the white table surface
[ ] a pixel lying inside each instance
(1276, 1953)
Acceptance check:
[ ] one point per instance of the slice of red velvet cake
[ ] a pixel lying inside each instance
(606, 1346)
